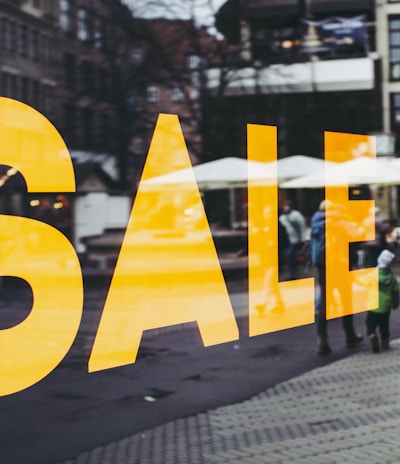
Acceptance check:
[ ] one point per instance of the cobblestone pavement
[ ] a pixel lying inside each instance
(347, 411)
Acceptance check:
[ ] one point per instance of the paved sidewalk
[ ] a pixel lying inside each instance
(347, 411)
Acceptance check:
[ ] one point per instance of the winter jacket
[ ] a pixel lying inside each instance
(295, 226)
(388, 291)
(339, 226)
(317, 245)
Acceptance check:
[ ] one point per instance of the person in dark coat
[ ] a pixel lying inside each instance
(317, 255)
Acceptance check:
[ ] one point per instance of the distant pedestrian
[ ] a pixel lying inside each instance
(317, 255)
(388, 300)
(295, 226)
(374, 247)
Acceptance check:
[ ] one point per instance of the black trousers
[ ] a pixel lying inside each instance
(320, 313)
(378, 320)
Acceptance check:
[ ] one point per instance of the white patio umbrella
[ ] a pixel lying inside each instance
(298, 165)
(225, 173)
(358, 171)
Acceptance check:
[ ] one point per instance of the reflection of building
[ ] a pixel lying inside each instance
(28, 58)
(388, 45)
(170, 59)
(302, 91)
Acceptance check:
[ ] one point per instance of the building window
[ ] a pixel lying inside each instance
(4, 33)
(100, 41)
(395, 118)
(152, 93)
(177, 93)
(12, 36)
(193, 61)
(36, 97)
(394, 47)
(4, 84)
(25, 89)
(66, 19)
(87, 127)
(84, 24)
(13, 90)
(87, 77)
(275, 45)
(35, 45)
(105, 128)
(23, 40)
(137, 55)
(103, 84)
(69, 70)
(196, 84)
(136, 145)
(69, 124)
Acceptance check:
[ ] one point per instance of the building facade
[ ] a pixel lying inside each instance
(28, 63)
(306, 66)
(388, 47)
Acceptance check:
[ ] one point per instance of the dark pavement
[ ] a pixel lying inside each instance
(72, 411)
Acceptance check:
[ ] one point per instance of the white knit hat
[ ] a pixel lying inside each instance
(385, 258)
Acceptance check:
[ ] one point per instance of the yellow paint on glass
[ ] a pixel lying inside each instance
(36, 252)
(273, 305)
(168, 271)
(347, 221)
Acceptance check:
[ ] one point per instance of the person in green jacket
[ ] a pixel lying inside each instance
(388, 300)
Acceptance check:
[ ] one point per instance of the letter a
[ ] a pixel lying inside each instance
(273, 305)
(37, 252)
(168, 271)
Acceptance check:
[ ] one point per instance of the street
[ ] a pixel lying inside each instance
(71, 410)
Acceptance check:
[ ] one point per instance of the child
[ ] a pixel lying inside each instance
(388, 299)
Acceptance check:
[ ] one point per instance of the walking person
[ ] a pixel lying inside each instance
(388, 300)
(317, 252)
(295, 225)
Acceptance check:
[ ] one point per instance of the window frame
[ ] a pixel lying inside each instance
(394, 64)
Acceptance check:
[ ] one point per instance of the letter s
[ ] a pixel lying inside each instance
(37, 252)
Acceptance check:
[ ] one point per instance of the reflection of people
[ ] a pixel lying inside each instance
(317, 251)
(295, 226)
(374, 247)
(388, 300)
(271, 299)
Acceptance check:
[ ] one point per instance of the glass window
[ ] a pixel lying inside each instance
(152, 93)
(137, 55)
(12, 37)
(177, 93)
(105, 129)
(4, 33)
(100, 38)
(25, 89)
(69, 124)
(69, 70)
(36, 94)
(193, 61)
(395, 118)
(83, 24)
(394, 47)
(195, 89)
(87, 75)
(87, 127)
(23, 40)
(35, 45)
(4, 84)
(66, 22)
